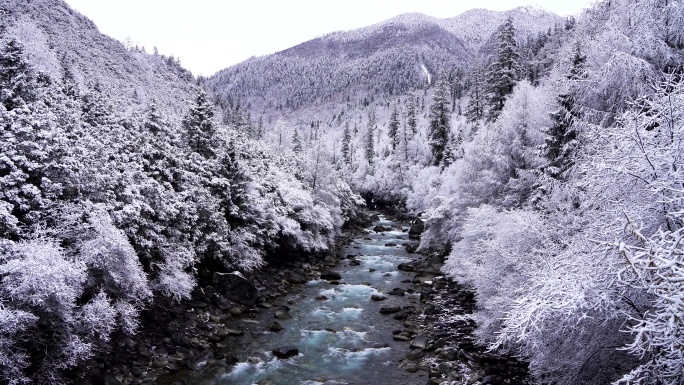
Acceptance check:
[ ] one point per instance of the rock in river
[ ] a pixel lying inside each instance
(331, 275)
(282, 312)
(417, 229)
(275, 326)
(285, 352)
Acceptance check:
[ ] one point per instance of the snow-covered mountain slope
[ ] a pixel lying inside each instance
(58, 38)
(476, 26)
(387, 59)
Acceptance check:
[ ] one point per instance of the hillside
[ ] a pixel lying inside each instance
(59, 39)
(477, 26)
(387, 59)
(120, 193)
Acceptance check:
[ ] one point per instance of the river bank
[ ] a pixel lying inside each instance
(428, 330)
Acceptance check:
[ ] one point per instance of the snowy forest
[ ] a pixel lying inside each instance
(546, 162)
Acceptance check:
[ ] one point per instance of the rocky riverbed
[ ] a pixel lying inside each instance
(406, 322)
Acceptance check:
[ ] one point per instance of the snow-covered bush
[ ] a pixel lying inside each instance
(495, 256)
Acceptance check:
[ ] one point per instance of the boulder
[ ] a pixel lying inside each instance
(390, 309)
(407, 266)
(275, 326)
(379, 229)
(417, 229)
(419, 342)
(282, 312)
(397, 291)
(294, 278)
(236, 288)
(285, 352)
(331, 275)
(411, 247)
(375, 217)
(378, 297)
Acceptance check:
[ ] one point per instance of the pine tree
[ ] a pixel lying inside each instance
(296, 141)
(394, 128)
(476, 104)
(16, 77)
(199, 126)
(153, 119)
(504, 71)
(439, 121)
(411, 114)
(369, 139)
(346, 144)
(560, 143)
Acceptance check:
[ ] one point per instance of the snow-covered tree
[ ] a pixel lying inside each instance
(200, 127)
(393, 128)
(440, 121)
(504, 71)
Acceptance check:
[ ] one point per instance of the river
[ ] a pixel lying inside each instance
(338, 330)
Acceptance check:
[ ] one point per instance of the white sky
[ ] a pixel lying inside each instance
(209, 35)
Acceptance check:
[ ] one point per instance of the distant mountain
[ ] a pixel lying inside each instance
(476, 26)
(59, 39)
(389, 58)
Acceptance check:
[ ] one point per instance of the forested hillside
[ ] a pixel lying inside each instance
(118, 188)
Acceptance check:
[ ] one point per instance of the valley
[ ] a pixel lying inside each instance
(161, 227)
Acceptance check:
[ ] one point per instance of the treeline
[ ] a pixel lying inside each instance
(102, 212)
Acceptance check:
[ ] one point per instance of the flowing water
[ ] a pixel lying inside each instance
(341, 340)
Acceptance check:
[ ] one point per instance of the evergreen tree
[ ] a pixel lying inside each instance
(346, 144)
(369, 139)
(17, 80)
(260, 128)
(296, 141)
(579, 61)
(504, 71)
(560, 142)
(95, 107)
(439, 121)
(476, 104)
(199, 126)
(153, 119)
(411, 114)
(394, 128)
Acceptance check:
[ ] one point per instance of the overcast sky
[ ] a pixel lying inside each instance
(209, 35)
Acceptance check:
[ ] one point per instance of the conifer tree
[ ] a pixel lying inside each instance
(411, 114)
(16, 77)
(369, 139)
(476, 104)
(296, 141)
(153, 119)
(394, 128)
(346, 144)
(199, 126)
(504, 71)
(439, 121)
(560, 142)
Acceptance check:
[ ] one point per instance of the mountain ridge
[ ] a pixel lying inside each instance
(388, 58)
